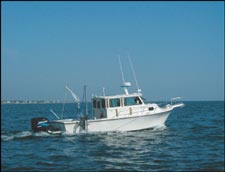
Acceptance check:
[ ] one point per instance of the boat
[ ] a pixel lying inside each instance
(122, 112)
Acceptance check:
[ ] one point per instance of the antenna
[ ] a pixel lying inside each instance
(121, 69)
(132, 68)
(63, 105)
(125, 85)
(86, 105)
(103, 90)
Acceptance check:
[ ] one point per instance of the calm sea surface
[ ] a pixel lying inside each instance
(192, 140)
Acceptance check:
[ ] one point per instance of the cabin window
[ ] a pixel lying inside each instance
(98, 104)
(150, 108)
(129, 101)
(94, 103)
(103, 103)
(114, 102)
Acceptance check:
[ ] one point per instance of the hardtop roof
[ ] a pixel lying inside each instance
(117, 96)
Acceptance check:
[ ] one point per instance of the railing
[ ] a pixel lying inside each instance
(175, 100)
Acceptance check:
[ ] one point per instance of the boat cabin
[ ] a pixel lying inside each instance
(116, 106)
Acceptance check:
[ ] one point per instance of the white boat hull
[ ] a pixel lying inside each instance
(130, 123)
(139, 122)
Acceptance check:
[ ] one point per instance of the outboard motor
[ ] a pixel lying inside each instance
(40, 124)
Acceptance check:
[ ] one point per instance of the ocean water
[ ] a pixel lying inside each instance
(192, 140)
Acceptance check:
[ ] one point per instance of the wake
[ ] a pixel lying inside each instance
(159, 128)
(29, 134)
(22, 135)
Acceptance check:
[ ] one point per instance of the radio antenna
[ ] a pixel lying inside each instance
(125, 85)
(121, 69)
(132, 68)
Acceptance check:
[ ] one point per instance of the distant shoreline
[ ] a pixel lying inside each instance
(60, 102)
(33, 102)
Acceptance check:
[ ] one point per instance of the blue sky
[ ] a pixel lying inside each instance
(177, 49)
